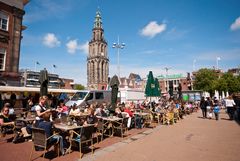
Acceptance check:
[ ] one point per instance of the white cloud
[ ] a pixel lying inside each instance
(84, 47)
(50, 40)
(73, 46)
(152, 29)
(236, 24)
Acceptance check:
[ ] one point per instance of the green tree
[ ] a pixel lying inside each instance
(79, 87)
(231, 81)
(206, 80)
(221, 85)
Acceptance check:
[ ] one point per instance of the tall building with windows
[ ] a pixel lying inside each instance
(11, 16)
(97, 60)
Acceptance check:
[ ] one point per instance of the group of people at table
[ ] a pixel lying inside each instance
(46, 118)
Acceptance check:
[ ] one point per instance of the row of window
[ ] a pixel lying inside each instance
(2, 58)
(4, 21)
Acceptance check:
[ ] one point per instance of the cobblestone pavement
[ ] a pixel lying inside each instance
(191, 139)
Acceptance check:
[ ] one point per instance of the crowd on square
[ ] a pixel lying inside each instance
(50, 114)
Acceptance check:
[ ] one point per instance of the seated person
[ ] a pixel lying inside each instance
(74, 110)
(48, 126)
(130, 114)
(118, 112)
(91, 118)
(62, 108)
(41, 109)
(99, 111)
(6, 123)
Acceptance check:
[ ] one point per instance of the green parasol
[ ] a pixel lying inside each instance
(150, 86)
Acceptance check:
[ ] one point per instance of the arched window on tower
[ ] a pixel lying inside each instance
(94, 35)
(93, 51)
(93, 71)
(102, 49)
(103, 69)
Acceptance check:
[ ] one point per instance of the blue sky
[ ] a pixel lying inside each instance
(180, 34)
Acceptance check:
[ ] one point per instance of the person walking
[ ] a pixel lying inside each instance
(203, 107)
(216, 110)
(230, 107)
(208, 107)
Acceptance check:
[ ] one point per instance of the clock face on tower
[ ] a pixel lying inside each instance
(102, 54)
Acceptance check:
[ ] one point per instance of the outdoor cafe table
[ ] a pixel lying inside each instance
(26, 120)
(68, 128)
(109, 123)
(65, 127)
(82, 115)
(142, 115)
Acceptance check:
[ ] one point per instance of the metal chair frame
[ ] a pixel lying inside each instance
(40, 140)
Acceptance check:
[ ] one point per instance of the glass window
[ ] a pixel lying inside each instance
(2, 58)
(99, 95)
(3, 21)
(89, 97)
(79, 96)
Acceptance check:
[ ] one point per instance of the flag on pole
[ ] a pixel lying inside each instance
(54, 66)
(37, 63)
(218, 58)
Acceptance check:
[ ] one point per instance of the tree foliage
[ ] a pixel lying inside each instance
(205, 80)
(208, 80)
(79, 87)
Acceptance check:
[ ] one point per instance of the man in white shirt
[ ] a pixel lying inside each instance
(230, 107)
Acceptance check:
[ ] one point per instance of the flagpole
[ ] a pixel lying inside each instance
(52, 69)
(35, 66)
(53, 66)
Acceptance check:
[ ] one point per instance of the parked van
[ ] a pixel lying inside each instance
(87, 97)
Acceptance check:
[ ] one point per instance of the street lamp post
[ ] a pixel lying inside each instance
(194, 62)
(217, 59)
(167, 84)
(118, 45)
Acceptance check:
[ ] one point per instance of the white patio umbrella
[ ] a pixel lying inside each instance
(217, 95)
(227, 95)
(223, 94)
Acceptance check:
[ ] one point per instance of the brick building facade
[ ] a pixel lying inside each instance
(11, 16)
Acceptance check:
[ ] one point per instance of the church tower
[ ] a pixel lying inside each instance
(97, 60)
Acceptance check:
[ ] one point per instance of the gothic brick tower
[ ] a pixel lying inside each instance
(97, 60)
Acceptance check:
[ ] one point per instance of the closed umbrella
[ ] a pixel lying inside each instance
(157, 90)
(179, 91)
(227, 94)
(150, 86)
(223, 94)
(114, 83)
(43, 79)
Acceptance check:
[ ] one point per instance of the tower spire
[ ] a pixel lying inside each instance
(97, 60)
(98, 20)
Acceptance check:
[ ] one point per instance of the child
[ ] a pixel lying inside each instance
(216, 110)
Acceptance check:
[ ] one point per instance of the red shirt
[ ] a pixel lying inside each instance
(129, 112)
(63, 109)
